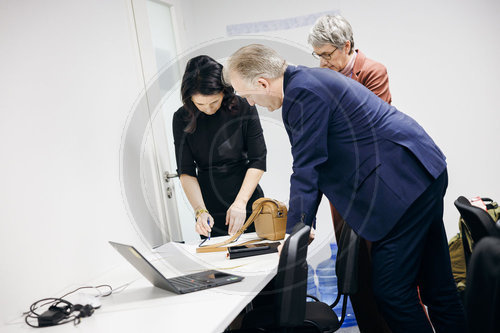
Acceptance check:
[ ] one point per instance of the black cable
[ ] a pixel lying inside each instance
(59, 315)
(68, 320)
(34, 306)
(71, 292)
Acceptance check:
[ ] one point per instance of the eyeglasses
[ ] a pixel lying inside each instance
(326, 56)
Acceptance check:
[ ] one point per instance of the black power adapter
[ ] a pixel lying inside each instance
(52, 316)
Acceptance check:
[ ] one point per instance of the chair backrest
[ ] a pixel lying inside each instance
(477, 222)
(346, 266)
(482, 295)
(291, 279)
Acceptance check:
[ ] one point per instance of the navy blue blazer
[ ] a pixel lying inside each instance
(369, 159)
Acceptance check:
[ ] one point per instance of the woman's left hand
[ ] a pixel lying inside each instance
(235, 217)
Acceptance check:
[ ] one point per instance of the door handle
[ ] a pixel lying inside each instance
(167, 176)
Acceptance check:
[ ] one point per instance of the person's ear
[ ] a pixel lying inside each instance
(347, 47)
(262, 82)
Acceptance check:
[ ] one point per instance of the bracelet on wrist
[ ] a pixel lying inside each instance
(200, 211)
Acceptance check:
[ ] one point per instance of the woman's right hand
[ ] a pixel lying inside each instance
(202, 226)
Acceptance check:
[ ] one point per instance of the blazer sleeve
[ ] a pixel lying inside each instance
(183, 155)
(255, 143)
(307, 120)
(375, 78)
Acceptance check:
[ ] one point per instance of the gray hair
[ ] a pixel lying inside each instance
(254, 61)
(331, 29)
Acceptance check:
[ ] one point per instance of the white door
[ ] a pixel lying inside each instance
(156, 44)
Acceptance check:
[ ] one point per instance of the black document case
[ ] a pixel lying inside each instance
(235, 252)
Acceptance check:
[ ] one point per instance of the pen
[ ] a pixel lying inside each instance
(208, 222)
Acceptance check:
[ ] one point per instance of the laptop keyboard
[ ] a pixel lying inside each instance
(185, 282)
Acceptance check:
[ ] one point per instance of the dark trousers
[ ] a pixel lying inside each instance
(415, 252)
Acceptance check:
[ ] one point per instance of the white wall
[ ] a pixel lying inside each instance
(70, 76)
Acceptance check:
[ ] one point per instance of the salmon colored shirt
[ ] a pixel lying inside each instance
(372, 75)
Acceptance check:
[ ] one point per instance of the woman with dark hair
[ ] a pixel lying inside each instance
(219, 148)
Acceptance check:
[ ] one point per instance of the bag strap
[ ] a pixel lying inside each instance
(276, 202)
(219, 246)
(209, 248)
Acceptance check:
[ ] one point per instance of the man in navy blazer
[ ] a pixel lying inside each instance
(385, 175)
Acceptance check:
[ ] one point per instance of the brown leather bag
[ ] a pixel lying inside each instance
(269, 216)
(270, 223)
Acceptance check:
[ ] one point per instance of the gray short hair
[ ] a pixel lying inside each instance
(254, 61)
(331, 29)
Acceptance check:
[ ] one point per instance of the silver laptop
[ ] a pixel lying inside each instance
(179, 285)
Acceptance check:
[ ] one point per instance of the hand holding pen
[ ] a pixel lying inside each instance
(207, 231)
(204, 223)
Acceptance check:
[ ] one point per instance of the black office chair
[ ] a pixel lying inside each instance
(290, 311)
(346, 267)
(482, 294)
(477, 224)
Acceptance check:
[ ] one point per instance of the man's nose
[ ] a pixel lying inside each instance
(323, 63)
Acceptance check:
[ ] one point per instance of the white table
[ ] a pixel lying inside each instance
(140, 307)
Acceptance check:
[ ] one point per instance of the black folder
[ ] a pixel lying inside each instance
(235, 252)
